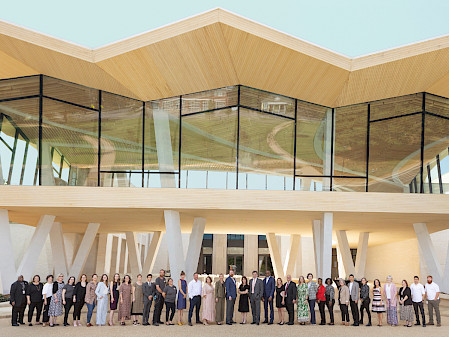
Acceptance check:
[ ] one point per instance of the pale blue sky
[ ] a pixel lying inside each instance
(351, 27)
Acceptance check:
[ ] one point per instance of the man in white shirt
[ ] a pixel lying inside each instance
(433, 300)
(418, 293)
(194, 290)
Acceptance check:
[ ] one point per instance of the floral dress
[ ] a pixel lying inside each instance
(301, 305)
(55, 309)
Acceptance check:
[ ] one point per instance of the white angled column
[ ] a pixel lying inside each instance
(174, 242)
(84, 249)
(133, 254)
(58, 251)
(327, 223)
(428, 252)
(275, 255)
(362, 252)
(345, 253)
(29, 260)
(7, 266)
(104, 253)
(292, 253)
(316, 230)
(194, 248)
(164, 149)
(250, 253)
(152, 251)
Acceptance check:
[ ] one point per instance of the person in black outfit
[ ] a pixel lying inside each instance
(280, 288)
(34, 299)
(78, 296)
(158, 298)
(364, 298)
(244, 299)
(329, 294)
(290, 299)
(18, 300)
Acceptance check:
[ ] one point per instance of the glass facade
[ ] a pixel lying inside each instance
(53, 132)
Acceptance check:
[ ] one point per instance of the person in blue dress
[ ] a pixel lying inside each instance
(102, 291)
(182, 295)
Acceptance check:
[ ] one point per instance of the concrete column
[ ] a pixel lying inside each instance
(345, 254)
(7, 266)
(153, 249)
(58, 249)
(362, 250)
(133, 254)
(29, 260)
(194, 248)
(114, 255)
(327, 156)
(104, 253)
(275, 255)
(164, 147)
(316, 230)
(119, 264)
(292, 253)
(250, 254)
(174, 242)
(428, 252)
(84, 249)
(220, 254)
(298, 267)
(126, 261)
(445, 284)
(326, 245)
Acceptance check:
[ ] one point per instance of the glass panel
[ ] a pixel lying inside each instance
(348, 184)
(73, 133)
(313, 139)
(19, 117)
(209, 100)
(154, 180)
(121, 133)
(437, 105)
(396, 106)
(266, 145)
(121, 179)
(267, 101)
(70, 92)
(19, 87)
(350, 140)
(395, 154)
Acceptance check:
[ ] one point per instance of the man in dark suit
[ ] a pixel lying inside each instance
(148, 290)
(268, 296)
(290, 299)
(18, 300)
(255, 295)
(231, 295)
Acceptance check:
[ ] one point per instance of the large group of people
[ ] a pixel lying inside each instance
(133, 300)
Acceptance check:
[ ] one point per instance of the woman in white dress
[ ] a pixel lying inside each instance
(102, 291)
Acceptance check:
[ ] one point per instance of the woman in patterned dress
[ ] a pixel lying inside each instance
(56, 305)
(405, 300)
(125, 292)
(113, 290)
(391, 300)
(137, 305)
(301, 302)
(378, 305)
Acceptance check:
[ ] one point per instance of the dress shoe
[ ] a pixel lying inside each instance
(430, 323)
(369, 324)
(423, 325)
(417, 323)
(355, 324)
(264, 322)
(157, 324)
(30, 324)
(190, 324)
(88, 324)
(322, 323)
(229, 323)
(253, 322)
(271, 323)
(145, 324)
(438, 324)
(290, 323)
(16, 324)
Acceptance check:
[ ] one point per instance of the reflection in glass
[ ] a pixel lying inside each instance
(267, 101)
(396, 106)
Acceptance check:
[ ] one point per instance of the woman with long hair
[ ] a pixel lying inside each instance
(378, 304)
(301, 302)
(68, 293)
(114, 286)
(280, 303)
(102, 291)
(79, 296)
(181, 303)
(137, 305)
(244, 299)
(208, 314)
(125, 295)
(405, 300)
(56, 304)
(90, 298)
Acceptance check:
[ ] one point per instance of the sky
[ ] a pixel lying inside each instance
(350, 27)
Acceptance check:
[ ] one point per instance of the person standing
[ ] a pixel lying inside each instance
(169, 294)
(56, 304)
(158, 298)
(269, 286)
(47, 293)
(378, 303)
(243, 291)
(79, 296)
(391, 294)
(256, 293)
(289, 299)
(321, 299)
(194, 291)
(90, 298)
(67, 298)
(125, 298)
(102, 291)
(148, 290)
(114, 286)
(433, 300)
(364, 298)
(301, 301)
(181, 303)
(18, 300)
(405, 300)
(329, 294)
(220, 299)
(231, 295)
(418, 294)
(208, 314)
(34, 299)
(312, 289)
(354, 293)
(280, 292)
(343, 299)
(137, 305)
